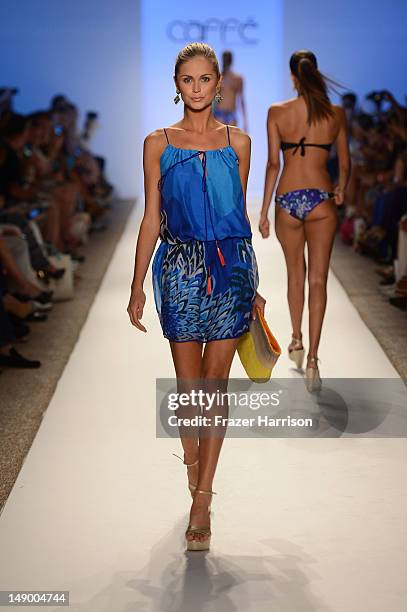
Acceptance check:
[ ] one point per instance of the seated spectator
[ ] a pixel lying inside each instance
(52, 192)
(9, 356)
(83, 168)
(18, 202)
(376, 199)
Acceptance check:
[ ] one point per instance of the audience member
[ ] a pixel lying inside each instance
(53, 194)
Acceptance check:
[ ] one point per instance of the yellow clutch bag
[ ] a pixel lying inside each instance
(258, 349)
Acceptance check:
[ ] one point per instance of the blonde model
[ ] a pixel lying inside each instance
(204, 272)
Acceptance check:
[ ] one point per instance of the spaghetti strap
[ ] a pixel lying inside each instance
(227, 127)
(166, 135)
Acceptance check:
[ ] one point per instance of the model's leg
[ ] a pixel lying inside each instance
(217, 360)
(320, 228)
(290, 234)
(187, 357)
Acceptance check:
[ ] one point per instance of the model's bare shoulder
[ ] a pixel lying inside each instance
(285, 105)
(276, 109)
(339, 112)
(155, 139)
(239, 138)
(155, 143)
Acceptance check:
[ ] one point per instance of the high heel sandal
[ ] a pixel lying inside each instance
(296, 351)
(312, 378)
(195, 529)
(191, 487)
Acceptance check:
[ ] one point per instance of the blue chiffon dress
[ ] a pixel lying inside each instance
(204, 272)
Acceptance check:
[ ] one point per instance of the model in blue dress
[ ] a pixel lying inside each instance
(204, 271)
(205, 274)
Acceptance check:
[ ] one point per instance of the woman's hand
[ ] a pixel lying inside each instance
(135, 308)
(339, 196)
(264, 227)
(260, 302)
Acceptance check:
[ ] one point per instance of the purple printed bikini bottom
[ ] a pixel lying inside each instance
(300, 202)
(225, 116)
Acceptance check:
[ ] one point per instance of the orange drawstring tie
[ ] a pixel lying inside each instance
(209, 287)
(222, 261)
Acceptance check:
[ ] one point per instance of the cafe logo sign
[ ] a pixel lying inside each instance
(228, 31)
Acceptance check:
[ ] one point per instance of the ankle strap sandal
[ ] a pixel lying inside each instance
(296, 351)
(191, 486)
(195, 529)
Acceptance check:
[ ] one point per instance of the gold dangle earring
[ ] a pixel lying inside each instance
(177, 97)
(218, 96)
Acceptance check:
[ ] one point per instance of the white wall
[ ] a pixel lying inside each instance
(361, 43)
(91, 50)
(88, 50)
(260, 63)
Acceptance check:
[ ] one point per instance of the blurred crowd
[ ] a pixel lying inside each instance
(374, 219)
(53, 195)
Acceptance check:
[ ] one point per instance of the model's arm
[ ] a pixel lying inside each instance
(342, 148)
(149, 227)
(272, 170)
(242, 146)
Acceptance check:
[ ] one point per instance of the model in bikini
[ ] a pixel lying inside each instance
(305, 128)
(232, 94)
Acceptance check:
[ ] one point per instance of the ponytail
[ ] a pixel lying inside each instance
(312, 85)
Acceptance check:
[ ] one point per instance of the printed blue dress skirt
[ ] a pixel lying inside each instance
(204, 272)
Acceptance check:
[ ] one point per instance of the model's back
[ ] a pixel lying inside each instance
(305, 147)
(231, 86)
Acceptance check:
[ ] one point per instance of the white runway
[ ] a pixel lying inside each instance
(100, 505)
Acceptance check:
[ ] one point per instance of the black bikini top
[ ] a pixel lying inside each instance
(301, 145)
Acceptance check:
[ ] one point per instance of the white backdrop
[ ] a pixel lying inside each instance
(361, 43)
(91, 51)
(88, 50)
(252, 31)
